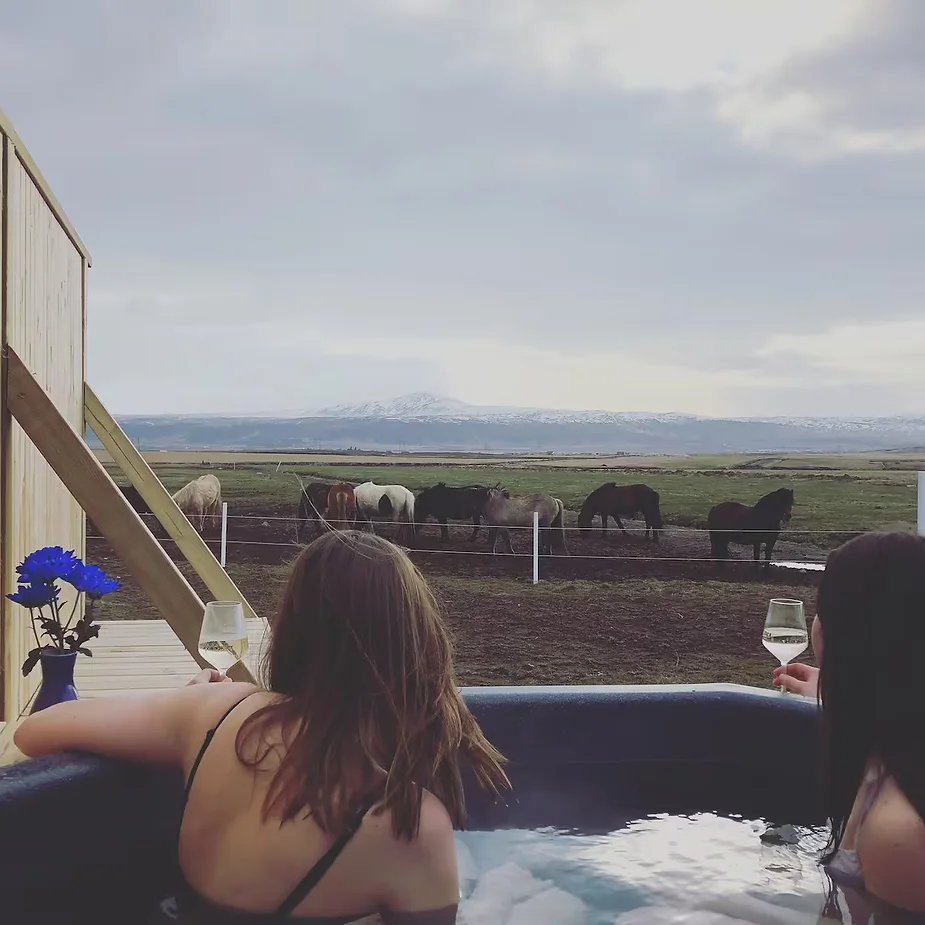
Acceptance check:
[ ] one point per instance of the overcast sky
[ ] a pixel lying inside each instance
(714, 207)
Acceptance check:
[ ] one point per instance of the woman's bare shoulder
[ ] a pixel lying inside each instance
(423, 875)
(891, 848)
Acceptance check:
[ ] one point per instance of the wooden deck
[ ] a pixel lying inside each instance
(133, 656)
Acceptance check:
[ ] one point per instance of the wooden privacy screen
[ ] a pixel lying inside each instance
(88, 481)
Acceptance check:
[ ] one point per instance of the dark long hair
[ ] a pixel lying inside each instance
(363, 661)
(871, 605)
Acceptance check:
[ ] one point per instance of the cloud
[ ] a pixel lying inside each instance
(350, 199)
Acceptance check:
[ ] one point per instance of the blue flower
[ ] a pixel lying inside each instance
(93, 581)
(44, 566)
(29, 595)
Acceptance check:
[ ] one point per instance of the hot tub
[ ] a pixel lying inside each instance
(87, 839)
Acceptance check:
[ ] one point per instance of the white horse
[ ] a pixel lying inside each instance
(502, 512)
(393, 502)
(199, 499)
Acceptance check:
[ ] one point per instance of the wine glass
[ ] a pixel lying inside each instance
(223, 637)
(785, 635)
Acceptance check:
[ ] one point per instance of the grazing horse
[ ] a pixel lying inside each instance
(341, 507)
(200, 499)
(313, 502)
(501, 512)
(313, 508)
(612, 500)
(393, 501)
(443, 503)
(732, 522)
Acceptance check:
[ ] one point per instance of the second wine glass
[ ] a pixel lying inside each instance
(785, 635)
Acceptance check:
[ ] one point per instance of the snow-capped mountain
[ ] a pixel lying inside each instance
(418, 405)
(422, 421)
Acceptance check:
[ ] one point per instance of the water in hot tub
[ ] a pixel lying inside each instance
(661, 870)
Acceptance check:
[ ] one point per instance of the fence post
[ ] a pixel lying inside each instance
(224, 553)
(921, 507)
(536, 546)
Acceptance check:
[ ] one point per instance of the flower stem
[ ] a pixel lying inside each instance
(35, 632)
(59, 641)
(71, 617)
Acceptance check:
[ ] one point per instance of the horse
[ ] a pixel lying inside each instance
(341, 506)
(502, 512)
(199, 499)
(612, 500)
(393, 501)
(732, 522)
(313, 507)
(443, 503)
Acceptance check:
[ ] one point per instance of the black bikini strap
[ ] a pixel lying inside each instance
(205, 745)
(312, 878)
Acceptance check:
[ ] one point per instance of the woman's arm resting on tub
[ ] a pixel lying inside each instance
(158, 727)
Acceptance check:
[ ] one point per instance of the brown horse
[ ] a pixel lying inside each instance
(612, 500)
(341, 509)
(732, 522)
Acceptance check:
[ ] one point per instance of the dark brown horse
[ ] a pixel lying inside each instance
(444, 503)
(612, 500)
(732, 522)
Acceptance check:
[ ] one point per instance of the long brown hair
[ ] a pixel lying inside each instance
(871, 604)
(363, 662)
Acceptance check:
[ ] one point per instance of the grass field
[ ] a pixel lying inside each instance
(618, 609)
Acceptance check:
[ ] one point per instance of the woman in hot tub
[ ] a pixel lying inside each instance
(869, 641)
(331, 795)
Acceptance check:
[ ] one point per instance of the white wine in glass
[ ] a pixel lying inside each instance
(785, 635)
(223, 637)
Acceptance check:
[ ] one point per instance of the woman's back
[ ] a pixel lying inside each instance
(235, 862)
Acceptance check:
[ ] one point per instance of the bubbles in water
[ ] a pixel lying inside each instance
(665, 870)
(510, 895)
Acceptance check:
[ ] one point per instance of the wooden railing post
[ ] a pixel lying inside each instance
(90, 484)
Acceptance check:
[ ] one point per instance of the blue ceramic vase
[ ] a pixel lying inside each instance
(57, 679)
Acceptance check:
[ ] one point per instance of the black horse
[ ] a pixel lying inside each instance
(313, 501)
(443, 504)
(612, 500)
(732, 522)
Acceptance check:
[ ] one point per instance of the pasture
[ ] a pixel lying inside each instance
(618, 609)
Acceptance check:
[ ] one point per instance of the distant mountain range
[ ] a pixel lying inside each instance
(424, 422)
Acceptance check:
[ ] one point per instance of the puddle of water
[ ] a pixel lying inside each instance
(804, 566)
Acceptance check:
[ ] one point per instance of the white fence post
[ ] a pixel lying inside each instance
(536, 546)
(921, 517)
(224, 534)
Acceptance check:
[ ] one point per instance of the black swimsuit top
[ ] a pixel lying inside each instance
(207, 912)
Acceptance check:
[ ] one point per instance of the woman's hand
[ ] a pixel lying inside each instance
(798, 679)
(209, 676)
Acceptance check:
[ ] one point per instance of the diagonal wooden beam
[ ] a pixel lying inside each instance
(161, 503)
(90, 484)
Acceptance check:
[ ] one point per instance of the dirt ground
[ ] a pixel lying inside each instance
(616, 610)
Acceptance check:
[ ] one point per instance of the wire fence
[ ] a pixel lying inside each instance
(461, 525)
(487, 552)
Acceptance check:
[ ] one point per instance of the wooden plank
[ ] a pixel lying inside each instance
(43, 323)
(6, 128)
(4, 422)
(161, 503)
(89, 482)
